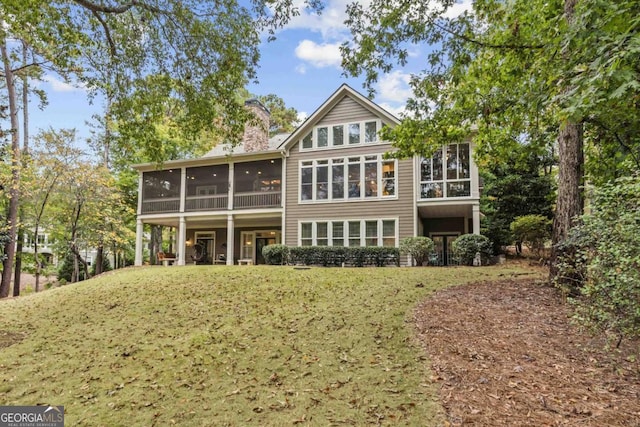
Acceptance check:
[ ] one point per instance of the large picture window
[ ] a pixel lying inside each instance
(447, 173)
(348, 178)
(341, 135)
(355, 233)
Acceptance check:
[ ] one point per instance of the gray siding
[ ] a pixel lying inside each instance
(346, 110)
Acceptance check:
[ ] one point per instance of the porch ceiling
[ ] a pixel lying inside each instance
(445, 211)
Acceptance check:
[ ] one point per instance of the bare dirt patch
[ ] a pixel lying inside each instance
(506, 354)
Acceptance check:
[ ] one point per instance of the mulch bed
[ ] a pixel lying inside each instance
(507, 354)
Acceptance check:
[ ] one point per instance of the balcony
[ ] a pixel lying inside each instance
(207, 203)
(163, 205)
(260, 199)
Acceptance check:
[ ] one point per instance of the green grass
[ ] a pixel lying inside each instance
(237, 346)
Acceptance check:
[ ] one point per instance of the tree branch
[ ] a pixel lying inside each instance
(107, 33)
(93, 7)
(488, 45)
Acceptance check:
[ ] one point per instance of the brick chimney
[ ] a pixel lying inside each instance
(256, 130)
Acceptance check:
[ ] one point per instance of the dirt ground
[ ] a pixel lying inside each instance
(506, 354)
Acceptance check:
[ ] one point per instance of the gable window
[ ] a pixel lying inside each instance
(370, 131)
(351, 178)
(323, 136)
(338, 135)
(354, 133)
(354, 233)
(446, 173)
(307, 141)
(341, 135)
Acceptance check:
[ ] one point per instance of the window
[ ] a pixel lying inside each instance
(322, 180)
(354, 233)
(338, 135)
(337, 179)
(389, 178)
(370, 131)
(353, 178)
(354, 133)
(447, 173)
(306, 234)
(307, 141)
(366, 232)
(388, 233)
(323, 137)
(322, 235)
(337, 228)
(306, 181)
(371, 233)
(371, 176)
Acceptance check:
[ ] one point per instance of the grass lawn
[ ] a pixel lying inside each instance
(237, 346)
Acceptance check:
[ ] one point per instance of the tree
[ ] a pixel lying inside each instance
(533, 231)
(157, 55)
(516, 184)
(515, 71)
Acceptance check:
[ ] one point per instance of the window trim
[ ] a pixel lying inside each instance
(345, 230)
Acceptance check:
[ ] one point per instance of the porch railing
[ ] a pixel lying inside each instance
(161, 205)
(207, 203)
(260, 199)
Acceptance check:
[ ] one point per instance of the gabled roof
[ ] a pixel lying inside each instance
(343, 91)
(225, 150)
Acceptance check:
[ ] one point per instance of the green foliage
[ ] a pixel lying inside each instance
(275, 254)
(106, 265)
(65, 271)
(601, 260)
(466, 246)
(533, 231)
(517, 184)
(419, 248)
(335, 256)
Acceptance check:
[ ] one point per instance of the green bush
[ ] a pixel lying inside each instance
(466, 246)
(328, 256)
(533, 231)
(419, 248)
(276, 254)
(601, 261)
(106, 265)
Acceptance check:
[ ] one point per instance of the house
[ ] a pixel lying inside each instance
(327, 183)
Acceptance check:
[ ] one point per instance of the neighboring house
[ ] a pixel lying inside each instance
(327, 183)
(46, 248)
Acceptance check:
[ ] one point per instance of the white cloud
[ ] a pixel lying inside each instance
(319, 55)
(394, 87)
(58, 85)
(301, 69)
(330, 23)
(397, 110)
(302, 116)
(458, 8)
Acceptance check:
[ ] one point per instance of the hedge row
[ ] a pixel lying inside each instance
(331, 256)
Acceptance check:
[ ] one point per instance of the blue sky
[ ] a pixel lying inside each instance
(302, 67)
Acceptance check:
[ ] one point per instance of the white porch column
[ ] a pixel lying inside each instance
(231, 187)
(139, 243)
(182, 240)
(183, 188)
(230, 239)
(476, 218)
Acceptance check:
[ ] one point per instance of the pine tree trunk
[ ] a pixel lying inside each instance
(14, 190)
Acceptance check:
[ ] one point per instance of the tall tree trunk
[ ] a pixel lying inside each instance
(570, 203)
(14, 190)
(25, 150)
(99, 259)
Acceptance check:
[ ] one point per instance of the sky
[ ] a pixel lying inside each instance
(302, 67)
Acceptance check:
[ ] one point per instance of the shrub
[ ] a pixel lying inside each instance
(419, 248)
(600, 261)
(533, 231)
(466, 246)
(276, 254)
(335, 256)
